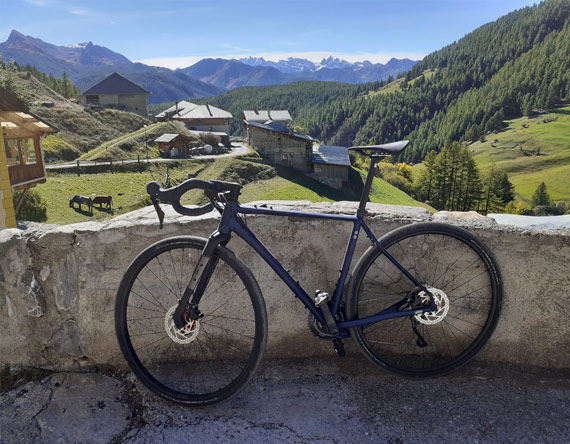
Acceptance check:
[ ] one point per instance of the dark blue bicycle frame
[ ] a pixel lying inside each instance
(232, 223)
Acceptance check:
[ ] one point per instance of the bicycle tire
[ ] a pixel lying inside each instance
(217, 356)
(443, 257)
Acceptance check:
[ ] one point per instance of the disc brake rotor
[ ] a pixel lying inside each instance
(442, 302)
(184, 335)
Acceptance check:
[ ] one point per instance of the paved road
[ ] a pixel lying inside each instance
(237, 150)
(302, 401)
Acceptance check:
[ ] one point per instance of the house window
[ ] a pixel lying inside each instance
(279, 142)
(284, 156)
(12, 152)
(317, 170)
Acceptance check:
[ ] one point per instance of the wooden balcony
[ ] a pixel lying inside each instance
(23, 176)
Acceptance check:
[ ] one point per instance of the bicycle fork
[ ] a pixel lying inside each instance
(187, 309)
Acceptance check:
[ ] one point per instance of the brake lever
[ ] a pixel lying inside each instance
(159, 211)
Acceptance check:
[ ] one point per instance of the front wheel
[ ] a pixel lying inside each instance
(208, 360)
(463, 277)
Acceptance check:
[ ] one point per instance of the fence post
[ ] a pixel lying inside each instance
(78, 169)
(111, 165)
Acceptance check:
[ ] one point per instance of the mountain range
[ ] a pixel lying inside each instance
(254, 71)
(87, 64)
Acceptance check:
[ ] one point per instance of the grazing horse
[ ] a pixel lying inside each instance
(82, 200)
(107, 200)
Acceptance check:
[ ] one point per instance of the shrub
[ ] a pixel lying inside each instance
(33, 208)
(210, 139)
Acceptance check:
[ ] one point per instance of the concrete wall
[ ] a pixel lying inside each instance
(58, 284)
(134, 103)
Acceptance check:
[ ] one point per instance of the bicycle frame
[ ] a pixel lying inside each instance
(231, 223)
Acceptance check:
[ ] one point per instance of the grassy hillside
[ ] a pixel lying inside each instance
(261, 182)
(532, 150)
(79, 129)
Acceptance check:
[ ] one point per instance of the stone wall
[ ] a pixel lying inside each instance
(58, 284)
(281, 149)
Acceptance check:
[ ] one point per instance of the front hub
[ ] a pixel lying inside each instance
(184, 335)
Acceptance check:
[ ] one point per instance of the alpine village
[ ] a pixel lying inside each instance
(488, 118)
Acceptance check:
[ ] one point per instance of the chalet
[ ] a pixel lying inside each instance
(21, 159)
(279, 145)
(119, 92)
(200, 118)
(330, 165)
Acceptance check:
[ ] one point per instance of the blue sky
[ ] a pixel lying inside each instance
(177, 33)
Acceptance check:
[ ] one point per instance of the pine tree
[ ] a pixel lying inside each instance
(540, 196)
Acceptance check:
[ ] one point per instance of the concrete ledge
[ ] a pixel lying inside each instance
(58, 284)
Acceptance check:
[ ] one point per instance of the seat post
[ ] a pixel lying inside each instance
(368, 184)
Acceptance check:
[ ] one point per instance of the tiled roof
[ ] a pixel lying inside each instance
(278, 128)
(203, 112)
(331, 155)
(182, 106)
(115, 84)
(265, 115)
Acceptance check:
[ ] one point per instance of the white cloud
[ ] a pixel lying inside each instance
(315, 56)
(81, 11)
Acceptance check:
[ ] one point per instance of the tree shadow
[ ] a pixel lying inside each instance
(350, 191)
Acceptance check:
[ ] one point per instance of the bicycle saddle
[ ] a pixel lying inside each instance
(387, 148)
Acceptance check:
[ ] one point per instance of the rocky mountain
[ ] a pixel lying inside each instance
(335, 69)
(74, 59)
(87, 64)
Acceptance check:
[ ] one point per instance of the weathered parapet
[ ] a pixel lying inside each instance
(58, 284)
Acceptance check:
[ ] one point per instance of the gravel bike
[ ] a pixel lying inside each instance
(191, 319)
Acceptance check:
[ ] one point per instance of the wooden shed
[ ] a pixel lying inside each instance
(174, 145)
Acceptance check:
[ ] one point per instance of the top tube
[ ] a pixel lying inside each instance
(272, 212)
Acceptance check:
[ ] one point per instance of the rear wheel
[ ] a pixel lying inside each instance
(462, 275)
(208, 360)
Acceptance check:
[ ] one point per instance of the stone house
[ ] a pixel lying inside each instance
(119, 92)
(279, 145)
(21, 155)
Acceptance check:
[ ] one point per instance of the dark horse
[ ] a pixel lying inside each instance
(107, 200)
(82, 200)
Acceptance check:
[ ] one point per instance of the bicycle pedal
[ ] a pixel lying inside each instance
(339, 347)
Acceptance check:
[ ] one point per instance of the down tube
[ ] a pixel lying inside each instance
(245, 233)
